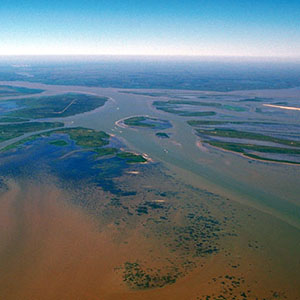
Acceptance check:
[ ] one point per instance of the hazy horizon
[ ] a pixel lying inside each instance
(199, 58)
(194, 28)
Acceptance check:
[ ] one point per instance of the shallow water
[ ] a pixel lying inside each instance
(75, 220)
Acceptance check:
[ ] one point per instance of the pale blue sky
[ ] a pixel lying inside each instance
(230, 28)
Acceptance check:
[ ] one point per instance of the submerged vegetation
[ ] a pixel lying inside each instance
(139, 278)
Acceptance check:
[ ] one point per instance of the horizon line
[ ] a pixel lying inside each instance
(186, 56)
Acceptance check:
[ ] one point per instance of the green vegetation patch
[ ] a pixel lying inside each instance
(196, 123)
(243, 148)
(248, 149)
(231, 133)
(198, 114)
(131, 157)
(236, 147)
(85, 137)
(138, 121)
(56, 106)
(190, 102)
(255, 99)
(147, 122)
(199, 123)
(89, 139)
(95, 140)
(105, 151)
(162, 135)
(60, 143)
(10, 131)
(12, 120)
(173, 107)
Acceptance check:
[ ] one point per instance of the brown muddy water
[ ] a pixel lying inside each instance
(51, 249)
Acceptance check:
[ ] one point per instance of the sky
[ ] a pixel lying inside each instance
(264, 28)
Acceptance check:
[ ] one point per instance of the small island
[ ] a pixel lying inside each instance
(162, 135)
(145, 122)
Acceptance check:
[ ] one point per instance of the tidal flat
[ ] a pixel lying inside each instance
(93, 209)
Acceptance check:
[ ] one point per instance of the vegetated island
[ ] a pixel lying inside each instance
(139, 121)
(13, 120)
(175, 107)
(88, 139)
(199, 123)
(147, 122)
(162, 135)
(251, 150)
(55, 106)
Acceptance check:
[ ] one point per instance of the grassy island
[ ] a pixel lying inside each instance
(56, 106)
(162, 135)
(12, 120)
(231, 133)
(245, 148)
(251, 150)
(131, 158)
(173, 107)
(147, 122)
(138, 121)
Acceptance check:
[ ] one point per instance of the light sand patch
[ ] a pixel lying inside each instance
(282, 107)
(201, 146)
(133, 172)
